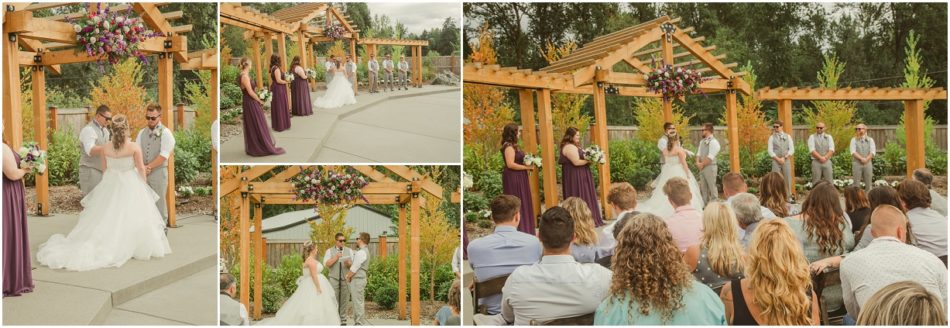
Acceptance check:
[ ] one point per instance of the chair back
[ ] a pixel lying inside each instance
(487, 288)
(581, 320)
(827, 278)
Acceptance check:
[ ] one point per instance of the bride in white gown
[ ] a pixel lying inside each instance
(312, 304)
(674, 166)
(119, 219)
(339, 91)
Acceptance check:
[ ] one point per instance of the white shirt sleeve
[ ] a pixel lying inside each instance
(87, 137)
(831, 142)
(811, 143)
(713, 150)
(168, 143)
(326, 257)
(243, 314)
(771, 150)
(851, 146)
(873, 146)
(215, 127)
(138, 138)
(358, 260)
(661, 144)
(791, 145)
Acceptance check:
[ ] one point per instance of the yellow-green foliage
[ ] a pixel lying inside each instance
(649, 113)
(485, 109)
(337, 50)
(838, 116)
(332, 220)
(26, 104)
(566, 108)
(197, 95)
(753, 127)
(121, 90)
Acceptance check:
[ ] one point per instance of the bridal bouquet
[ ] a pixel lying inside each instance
(530, 159)
(264, 95)
(328, 187)
(110, 35)
(31, 156)
(289, 77)
(595, 154)
(311, 74)
(673, 82)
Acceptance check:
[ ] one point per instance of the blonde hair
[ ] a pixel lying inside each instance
(778, 274)
(308, 247)
(904, 303)
(721, 239)
(245, 63)
(583, 220)
(119, 129)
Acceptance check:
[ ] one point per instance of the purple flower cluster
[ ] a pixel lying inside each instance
(334, 31)
(110, 35)
(328, 187)
(674, 82)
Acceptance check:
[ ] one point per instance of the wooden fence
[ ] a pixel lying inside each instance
(277, 249)
(74, 119)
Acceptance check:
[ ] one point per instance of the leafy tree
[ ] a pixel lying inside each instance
(566, 108)
(915, 78)
(838, 116)
(486, 110)
(122, 91)
(753, 127)
(649, 113)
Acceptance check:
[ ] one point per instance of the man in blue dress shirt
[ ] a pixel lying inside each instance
(500, 253)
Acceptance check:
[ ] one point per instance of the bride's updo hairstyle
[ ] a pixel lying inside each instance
(308, 247)
(569, 136)
(119, 129)
(245, 63)
(672, 140)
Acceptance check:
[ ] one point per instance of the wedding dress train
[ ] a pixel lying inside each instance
(339, 93)
(659, 203)
(307, 307)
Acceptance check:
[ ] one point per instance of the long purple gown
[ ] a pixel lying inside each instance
(300, 95)
(577, 181)
(515, 183)
(279, 113)
(17, 264)
(257, 138)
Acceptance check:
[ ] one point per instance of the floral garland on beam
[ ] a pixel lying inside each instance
(334, 31)
(328, 187)
(673, 82)
(112, 36)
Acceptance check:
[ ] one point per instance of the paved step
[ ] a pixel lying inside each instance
(189, 301)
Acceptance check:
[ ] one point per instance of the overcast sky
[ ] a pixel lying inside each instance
(418, 16)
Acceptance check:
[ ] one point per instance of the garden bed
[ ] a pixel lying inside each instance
(65, 200)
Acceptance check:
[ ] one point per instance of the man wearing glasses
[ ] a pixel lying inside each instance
(157, 143)
(91, 139)
(862, 152)
(669, 130)
(782, 149)
(821, 147)
(337, 260)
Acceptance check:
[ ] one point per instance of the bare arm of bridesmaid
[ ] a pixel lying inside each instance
(246, 83)
(510, 160)
(301, 73)
(10, 169)
(570, 151)
(279, 76)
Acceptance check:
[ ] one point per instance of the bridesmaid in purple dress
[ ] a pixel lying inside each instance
(576, 179)
(299, 90)
(17, 263)
(514, 178)
(279, 111)
(257, 138)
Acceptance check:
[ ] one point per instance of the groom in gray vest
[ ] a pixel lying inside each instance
(157, 143)
(357, 279)
(822, 148)
(782, 150)
(91, 139)
(706, 162)
(337, 260)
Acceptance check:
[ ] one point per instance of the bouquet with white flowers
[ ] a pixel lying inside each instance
(311, 74)
(264, 95)
(31, 156)
(289, 77)
(530, 159)
(595, 154)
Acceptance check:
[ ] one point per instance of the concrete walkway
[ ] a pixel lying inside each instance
(179, 289)
(419, 125)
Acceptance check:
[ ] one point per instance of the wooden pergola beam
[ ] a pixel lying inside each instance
(651, 51)
(893, 94)
(584, 75)
(152, 17)
(393, 42)
(37, 46)
(701, 54)
(179, 44)
(426, 183)
(26, 26)
(287, 188)
(234, 184)
(236, 12)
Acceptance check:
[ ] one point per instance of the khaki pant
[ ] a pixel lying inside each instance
(821, 171)
(158, 181)
(88, 179)
(862, 173)
(357, 291)
(786, 171)
(341, 292)
(707, 183)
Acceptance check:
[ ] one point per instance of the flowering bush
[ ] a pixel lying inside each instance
(595, 154)
(531, 159)
(33, 157)
(328, 187)
(113, 36)
(467, 181)
(334, 31)
(673, 82)
(878, 183)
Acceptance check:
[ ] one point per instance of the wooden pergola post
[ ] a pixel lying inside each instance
(256, 58)
(12, 113)
(412, 66)
(213, 94)
(382, 247)
(914, 123)
(53, 118)
(166, 86)
(304, 59)
(530, 138)
(268, 52)
(667, 43)
(39, 133)
(600, 116)
(419, 65)
(732, 131)
(401, 299)
(282, 52)
(258, 261)
(415, 311)
(785, 115)
(356, 84)
(548, 174)
(245, 246)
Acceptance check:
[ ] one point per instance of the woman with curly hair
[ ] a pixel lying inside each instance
(584, 247)
(651, 285)
(719, 258)
(777, 289)
(773, 194)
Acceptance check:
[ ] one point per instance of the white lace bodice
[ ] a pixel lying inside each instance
(120, 163)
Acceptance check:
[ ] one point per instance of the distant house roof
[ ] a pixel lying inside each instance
(293, 225)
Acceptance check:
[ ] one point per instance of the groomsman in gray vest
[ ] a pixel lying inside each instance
(350, 68)
(821, 147)
(157, 143)
(388, 72)
(403, 73)
(372, 67)
(337, 260)
(862, 152)
(781, 149)
(330, 64)
(706, 162)
(91, 138)
(357, 279)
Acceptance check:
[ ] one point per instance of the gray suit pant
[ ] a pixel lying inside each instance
(403, 81)
(862, 173)
(158, 181)
(341, 288)
(388, 80)
(88, 179)
(357, 292)
(372, 81)
(820, 171)
(786, 171)
(707, 183)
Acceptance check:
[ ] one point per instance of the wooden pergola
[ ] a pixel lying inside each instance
(416, 46)
(407, 193)
(913, 99)
(45, 43)
(591, 70)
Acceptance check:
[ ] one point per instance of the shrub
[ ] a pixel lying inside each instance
(895, 159)
(231, 96)
(762, 164)
(385, 295)
(197, 95)
(475, 201)
(192, 155)
(229, 116)
(122, 91)
(63, 158)
(636, 161)
(290, 269)
(937, 161)
(443, 274)
(485, 224)
(802, 160)
(382, 281)
(489, 183)
(273, 296)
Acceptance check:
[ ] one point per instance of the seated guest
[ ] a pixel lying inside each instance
(584, 247)
(888, 260)
(937, 202)
(448, 314)
(882, 195)
(557, 287)
(857, 207)
(720, 257)
(734, 184)
(651, 285)
(748, 214)
(686, 223)
(930, 228)
(617, 226)
(774, 195)
(823, 231)
(500, 253)
(622, 199)
(231, 312)
(904, 303)
(776, 290)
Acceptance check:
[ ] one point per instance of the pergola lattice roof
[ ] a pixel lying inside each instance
(850, 94)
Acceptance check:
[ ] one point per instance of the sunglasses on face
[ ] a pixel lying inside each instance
(341, 240)
(151, 118)
(108, 118)
(776, 126)
(820, 128)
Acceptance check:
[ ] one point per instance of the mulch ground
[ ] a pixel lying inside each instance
(65, 200)
(230, 130)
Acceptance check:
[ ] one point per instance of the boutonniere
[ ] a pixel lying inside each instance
(157, 131)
